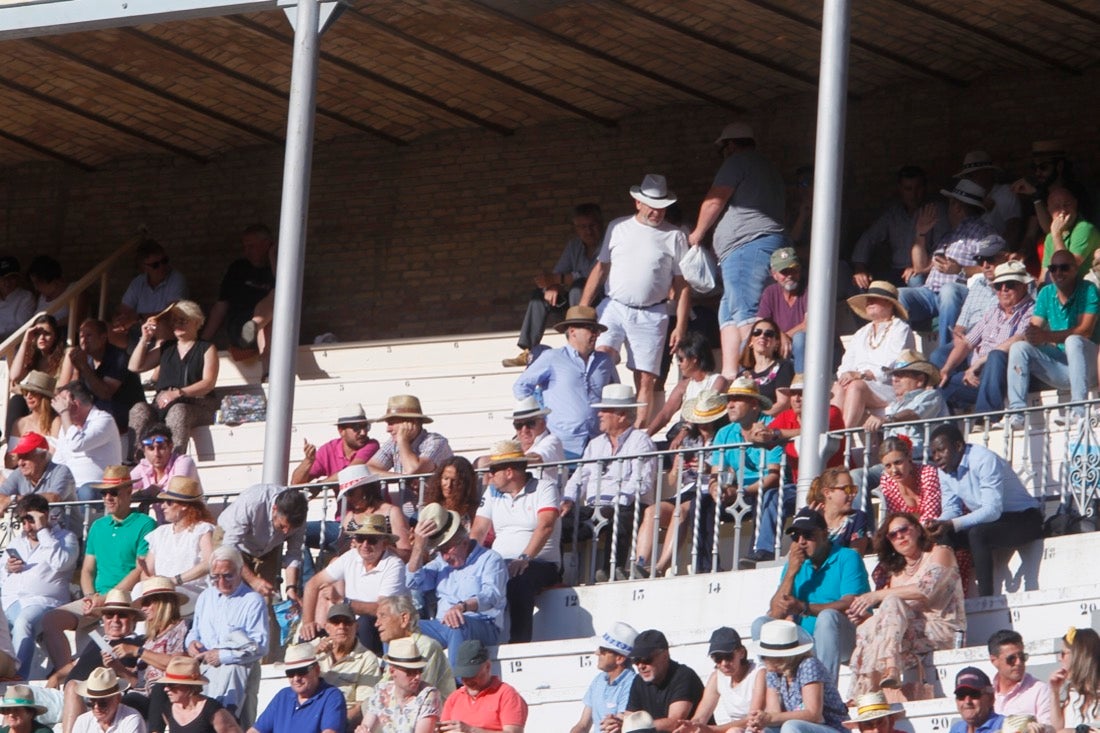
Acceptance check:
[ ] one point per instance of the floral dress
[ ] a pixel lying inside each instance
(899, 632)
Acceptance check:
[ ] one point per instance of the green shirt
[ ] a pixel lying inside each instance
(1083, 240)
(1061, 316)
(116, 546)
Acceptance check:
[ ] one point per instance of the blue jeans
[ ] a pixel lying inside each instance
(1073, 369)
(767, 516)
(313, 539)
(85, 492)
(24, 622)
(476, 627)
(798, 351)
(801, 726)
(939, 356)
(989, 395)
(834, 638)
(745, 272)
(924, 305)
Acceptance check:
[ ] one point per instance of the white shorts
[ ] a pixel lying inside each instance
(644, 330)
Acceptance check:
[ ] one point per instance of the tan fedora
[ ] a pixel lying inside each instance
(20, 696)
(912, 361)
(102, 682)
(39, 383)
(182, 488)
(878, 289)
(158, 585)
(404, 405)
(797, 385)
(299, 656)
(403, 653)
(580, 315)
(871, 706)
(116, 600)
(182, 670)
(114, 477)
(374, 525)
(747, 387)
(507, 452)
(448, 523)
(706, 408)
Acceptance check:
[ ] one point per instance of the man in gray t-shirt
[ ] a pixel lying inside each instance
(745, 206)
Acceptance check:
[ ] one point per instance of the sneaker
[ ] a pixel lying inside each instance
(601, 576)
(1016, 422)
(750, 560)
(520, 360)
(248, 333)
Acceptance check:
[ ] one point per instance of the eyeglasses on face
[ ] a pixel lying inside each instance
(987, 260)
(849, 489)
(158, 440)
(222, 576)
(721, 657)
(900, 531)
(372, 541)
(300, 672)
(113, 613)
(801, 534)
(342, 621)
(98, 702)
(359, 427)
(647, 661)
(111, 492)
(765, 332)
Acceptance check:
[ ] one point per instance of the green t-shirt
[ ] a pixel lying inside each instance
(116, 547)
(1061, 316)
(1083, 240)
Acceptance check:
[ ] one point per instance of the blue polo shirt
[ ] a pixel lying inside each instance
(757, 459)
(842, 574)
(326, 709)
(994, 723)
(608, 698)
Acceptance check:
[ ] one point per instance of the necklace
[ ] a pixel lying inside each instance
(911, 567)
(872, 343)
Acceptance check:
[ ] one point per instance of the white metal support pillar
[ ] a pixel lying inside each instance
(309, 19)
(824, 239)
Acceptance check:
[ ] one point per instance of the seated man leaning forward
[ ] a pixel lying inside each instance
(483, 703)
(816, 587)
(664, 688)
(345, 663)
(307, 704)
(469, 580)
(230, 635)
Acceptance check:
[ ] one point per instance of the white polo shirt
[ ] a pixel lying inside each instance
(387, 578)
(515, 518)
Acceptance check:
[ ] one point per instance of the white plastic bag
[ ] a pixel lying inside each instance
(700, 269)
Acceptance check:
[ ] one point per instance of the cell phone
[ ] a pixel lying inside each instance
(14, 554)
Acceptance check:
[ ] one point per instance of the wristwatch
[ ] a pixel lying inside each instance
(524, 556)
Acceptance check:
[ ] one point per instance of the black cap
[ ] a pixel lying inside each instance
(990, 246)
(647, 643)
(723, 641)
(9, 266)
(807, 520)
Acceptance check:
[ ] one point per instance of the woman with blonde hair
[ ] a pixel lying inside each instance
(832, 494)
(37, 391)
(1075, 684)
(187, 376)
(41, 350)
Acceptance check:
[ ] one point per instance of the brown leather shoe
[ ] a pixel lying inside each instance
(520, 360)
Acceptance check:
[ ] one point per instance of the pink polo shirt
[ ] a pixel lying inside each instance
(1029, 697)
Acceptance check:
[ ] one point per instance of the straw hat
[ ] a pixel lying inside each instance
(39, 383)
(735, 131)
(374, 525)
(298, 656)
(580, 315)
(912, 361)
(976, 160)
(506, 453)
(1016, 723)
(352, 414)
(878, 289)
(1012, 271)
(747, 387)
(781, 639)
(706, 408)
(404, 654)
(20, 696)
(638, 722)
(182, 671)
(448, 523)
(797, 385)
(159, 586)
(102, 682)
(355, 476)
(114, 477)
(182, 488)
(871, 706)
(653, 192)
(404, 405)
(616, 397)
(117, 600)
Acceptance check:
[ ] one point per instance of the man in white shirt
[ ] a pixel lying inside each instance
(103, 693)
(1002, 207)
(35, 578)
(16, 303)
(89, 440)
(640, 258)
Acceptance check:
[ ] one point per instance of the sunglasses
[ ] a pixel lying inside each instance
(648, 661)
(361, 427)
(521, 424)
(1004, 286)
(801, 534)
(98, 702)
(342, 621)
(1044, 166)
(300, 672)
(157, 264)
(721, 657)
(766, 333)
(111, 492)
(1063, 267)
(900, 531)
(1011, 659)
(372, 541)
(987, 260)
(115, 614)
(158, 440)
(968, 695)
(849, 489)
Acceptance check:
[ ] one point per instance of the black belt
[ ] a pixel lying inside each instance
(643, 307)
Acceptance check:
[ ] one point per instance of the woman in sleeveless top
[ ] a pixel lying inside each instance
(761, 361)
(188, 710)
(188, 373)
(43, 350)
(696, 361)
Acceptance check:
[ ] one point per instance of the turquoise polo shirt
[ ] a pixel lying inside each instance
(757, 459)
(1061, 316)
(842, 574)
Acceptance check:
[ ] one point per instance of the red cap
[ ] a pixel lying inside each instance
(30, 442)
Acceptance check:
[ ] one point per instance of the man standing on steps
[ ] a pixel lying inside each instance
(640, 258)
(562, 287)
(745, 205)
(974, 701)
(1015, 692)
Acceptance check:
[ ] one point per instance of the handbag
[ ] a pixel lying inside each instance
(700, 269)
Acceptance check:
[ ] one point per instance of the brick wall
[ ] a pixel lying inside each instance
(443, 235)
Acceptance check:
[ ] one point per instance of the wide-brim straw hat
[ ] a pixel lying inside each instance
(182, 671)
(798, 384)
(617, 397)
(878, 289)
(707, 407)
(872, 706)
(912, 361)
(102, 682)
(404, 405)
(967, 192)
(114, 477)
(354, 476)
(158, 585)
(374, 525)
(1012, 271)
(747, 387)
(507, 453)
(39, 383)
(781, 639)
(448, 523)
(20, 696)
(580, 315)
(116, 600)
(404, 653)
(182, 488)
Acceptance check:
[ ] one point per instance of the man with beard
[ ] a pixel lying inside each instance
(784, 302)
(640, 259)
